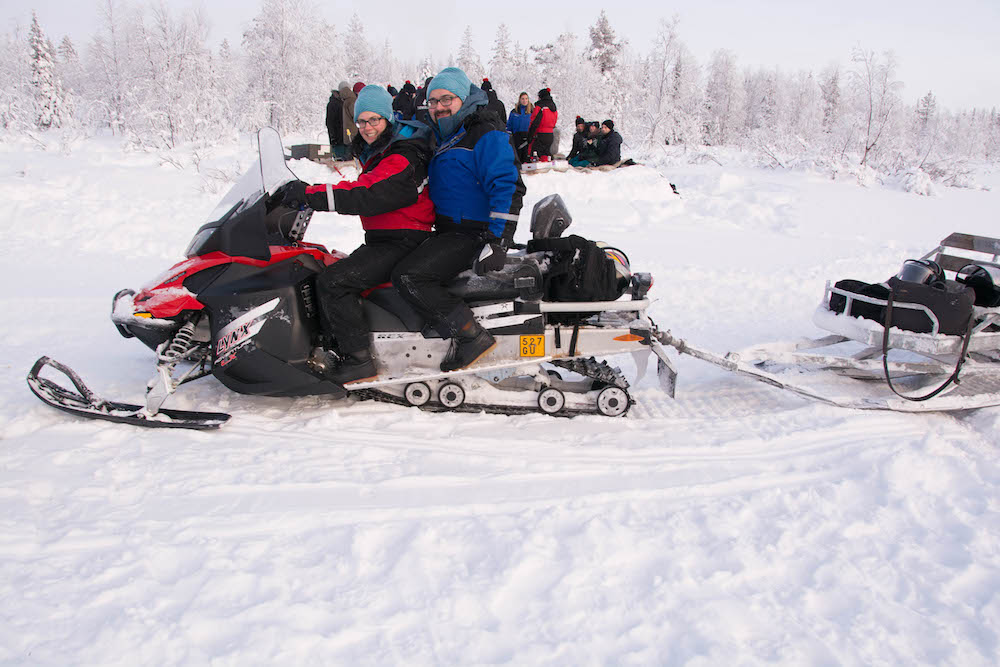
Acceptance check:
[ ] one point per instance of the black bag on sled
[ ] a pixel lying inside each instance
(951, 303)
(580, 270)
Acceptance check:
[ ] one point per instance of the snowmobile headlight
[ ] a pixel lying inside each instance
(144, 315)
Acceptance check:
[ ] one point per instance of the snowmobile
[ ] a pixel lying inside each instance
(241, 307)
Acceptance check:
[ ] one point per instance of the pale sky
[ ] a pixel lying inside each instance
(950, 48)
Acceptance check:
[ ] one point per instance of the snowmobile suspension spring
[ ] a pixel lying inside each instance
(180, 344)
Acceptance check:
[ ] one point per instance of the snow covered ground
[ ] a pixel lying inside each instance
(733, 525)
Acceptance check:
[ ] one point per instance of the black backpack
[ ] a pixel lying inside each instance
(580, 270)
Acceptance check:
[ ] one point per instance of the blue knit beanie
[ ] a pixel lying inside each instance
(453, 80)
(375, 99)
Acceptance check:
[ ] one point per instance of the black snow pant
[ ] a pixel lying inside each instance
(340, 285)
(422, 278)
(520, 140)
(542, 144)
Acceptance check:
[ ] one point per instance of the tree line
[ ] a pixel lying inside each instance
(150, 75)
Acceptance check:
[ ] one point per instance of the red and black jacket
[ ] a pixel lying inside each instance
(391, 191)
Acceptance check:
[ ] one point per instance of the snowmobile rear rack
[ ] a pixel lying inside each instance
(84, 403)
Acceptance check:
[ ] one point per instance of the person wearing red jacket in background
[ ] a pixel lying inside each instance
(543, 124)
(396, 213)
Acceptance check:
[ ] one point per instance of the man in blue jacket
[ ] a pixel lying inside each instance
(476, 188)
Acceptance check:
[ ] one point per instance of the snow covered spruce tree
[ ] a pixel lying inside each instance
(49, 99)
(605, 49)
(468, 57)
(501, 69)
(359, 60)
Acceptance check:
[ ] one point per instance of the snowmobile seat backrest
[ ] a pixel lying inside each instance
(550, 218)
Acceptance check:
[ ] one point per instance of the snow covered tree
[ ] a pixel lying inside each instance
(111, 71)
(227, 87)
(830, 88)
(17, 105)
(47, 88)
(501, 54)
(804, 113)
(66, 50)
(468, 58)
(605, 49)
(174, 101)
(281, 74)
(358, 52)
(385, 68)
(722, 99)
(501, 67)
(662, 83)
(877, 95)
(926, 111)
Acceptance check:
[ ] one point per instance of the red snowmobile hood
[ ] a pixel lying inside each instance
(165, 296)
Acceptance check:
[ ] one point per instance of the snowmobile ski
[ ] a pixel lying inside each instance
(84, 403)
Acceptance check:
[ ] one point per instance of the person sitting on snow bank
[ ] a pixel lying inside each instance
(609, 148)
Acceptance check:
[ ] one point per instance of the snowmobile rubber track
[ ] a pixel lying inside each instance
(590, 367)
(84, 403)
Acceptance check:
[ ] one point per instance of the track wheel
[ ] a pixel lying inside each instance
(451, 395)
(612, 402)
(551, 401)
(417, 394)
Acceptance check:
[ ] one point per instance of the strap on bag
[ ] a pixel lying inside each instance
(885, 353)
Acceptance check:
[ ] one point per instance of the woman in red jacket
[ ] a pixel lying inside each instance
(397, 215)
(543, 123)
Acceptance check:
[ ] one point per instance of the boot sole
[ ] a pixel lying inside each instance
(483, 354)
(373, 377)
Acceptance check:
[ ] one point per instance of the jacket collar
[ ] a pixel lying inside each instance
(449, 125)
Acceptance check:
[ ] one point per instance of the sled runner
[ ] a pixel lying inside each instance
(241, 308)
(900, 368)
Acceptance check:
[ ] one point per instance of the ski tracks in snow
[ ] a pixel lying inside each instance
(366, 529)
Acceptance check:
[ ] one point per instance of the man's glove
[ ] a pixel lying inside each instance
(491, 258)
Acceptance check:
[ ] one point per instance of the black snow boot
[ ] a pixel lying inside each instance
(471, 343)
(352, 367)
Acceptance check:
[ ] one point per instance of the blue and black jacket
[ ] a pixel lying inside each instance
(519, 119)
(474, 179)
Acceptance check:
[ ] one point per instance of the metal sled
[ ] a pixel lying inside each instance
(827, 369)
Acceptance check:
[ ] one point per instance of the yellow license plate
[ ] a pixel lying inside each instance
(533, 346)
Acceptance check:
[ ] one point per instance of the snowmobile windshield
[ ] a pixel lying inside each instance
(237, 224)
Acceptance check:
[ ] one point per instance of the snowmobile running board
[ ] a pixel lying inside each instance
(84, 403)
(973, 392)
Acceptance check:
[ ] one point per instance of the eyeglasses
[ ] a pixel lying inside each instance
(444, 100)
(373, 121)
